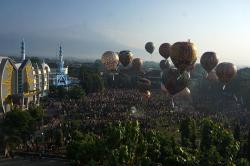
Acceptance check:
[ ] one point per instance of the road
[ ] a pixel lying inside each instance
(28, 162)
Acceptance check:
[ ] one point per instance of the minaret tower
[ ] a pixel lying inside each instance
(61, 62)
(23, 50)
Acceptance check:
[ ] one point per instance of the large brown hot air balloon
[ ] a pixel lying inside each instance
(149, 46)
(183, 54)
(164, 64)
(209, 61)
(226, 72)
(137, 63)
(174, 81)
(110, 60)
(125, 57)
(143, 84)
(164, 50)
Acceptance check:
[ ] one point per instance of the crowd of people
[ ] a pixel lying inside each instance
(98, 109)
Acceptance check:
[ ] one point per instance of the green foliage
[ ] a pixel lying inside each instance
(123, 144)
(35, 60)
(240, 85)
(188, 133)
(237, 132)
(248, 145)
(36, 112)
(16, 128)
(76, 92)
(127, 144)
(151, 64)
(91, 81)
(213, 136)
(243, 162)
(18, 123)
(58, 137)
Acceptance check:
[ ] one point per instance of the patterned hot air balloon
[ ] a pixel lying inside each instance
(110, 60)
(174, 81)
(125, 57)
(149, 46)
(226, 72)
(137, 63)
(164, 64)
(183, 54)
(209, 61)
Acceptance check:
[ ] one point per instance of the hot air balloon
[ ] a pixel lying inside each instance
(143, 84)
(149, 46)
(174, 81)
(212, 76)
(183, 54)
(110, 60)
(191, 67)
(163, 88)
(209, 61)
(147, 94)
(125, 57)
(184, 93)
(164, 50)
(137, 63)
(226, 72)
(164, 64)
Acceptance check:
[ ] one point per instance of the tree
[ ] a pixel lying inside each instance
(17, 126)
(248, 145)
(36, 112)
(35, 60)
(76, 92)
(218, 140)
(122, 144)
(188, 133)
(18, 123)
(91, 81)
(58, 137)
(237, 132)
(242, 162)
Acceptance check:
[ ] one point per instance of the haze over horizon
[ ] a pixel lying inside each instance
(88, 28)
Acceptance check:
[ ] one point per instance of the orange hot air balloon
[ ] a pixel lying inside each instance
(137, 63)
(164, 50)
(183, 54)
(226, 72)
(209, 61)
(125, 57)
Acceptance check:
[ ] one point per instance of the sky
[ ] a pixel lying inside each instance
(88, 28)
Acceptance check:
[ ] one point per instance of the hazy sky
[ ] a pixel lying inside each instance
(87, 28)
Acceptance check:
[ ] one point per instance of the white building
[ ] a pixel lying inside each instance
(22, 83)
(59, 76)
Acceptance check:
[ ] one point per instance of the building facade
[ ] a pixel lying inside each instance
(22, 83)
